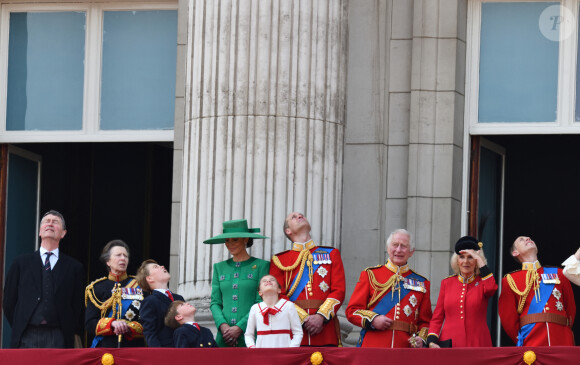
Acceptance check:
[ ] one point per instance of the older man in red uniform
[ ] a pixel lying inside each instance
(313, 278)
(391, 302)
(536, 305)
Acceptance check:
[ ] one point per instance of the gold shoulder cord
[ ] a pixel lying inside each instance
(305, 257)
(531, 279)
(380, 288)
(115, 298)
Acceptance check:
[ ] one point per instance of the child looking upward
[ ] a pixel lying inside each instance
(187, 333)
(276, 320)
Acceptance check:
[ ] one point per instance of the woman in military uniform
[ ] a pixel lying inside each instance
(235, 282)
(460, 317)
(113, 302)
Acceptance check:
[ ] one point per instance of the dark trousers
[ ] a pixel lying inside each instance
(42, 337)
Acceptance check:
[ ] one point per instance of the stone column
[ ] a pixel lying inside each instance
(264, 109)
(436, 134)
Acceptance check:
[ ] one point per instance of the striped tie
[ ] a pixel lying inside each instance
(47, 261)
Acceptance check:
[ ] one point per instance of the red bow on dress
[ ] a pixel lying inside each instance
(266, 313)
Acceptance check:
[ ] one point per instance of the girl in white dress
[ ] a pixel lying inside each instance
(275, 320)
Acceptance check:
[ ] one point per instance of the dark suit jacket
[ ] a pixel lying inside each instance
(23, 289)
(187, 336)
(152, 314)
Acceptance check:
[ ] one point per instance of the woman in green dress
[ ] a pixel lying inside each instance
(234, 286)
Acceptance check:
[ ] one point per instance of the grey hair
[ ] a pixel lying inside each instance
(403, 231)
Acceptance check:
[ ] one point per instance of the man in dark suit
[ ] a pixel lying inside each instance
(154, 278)
(43, 292)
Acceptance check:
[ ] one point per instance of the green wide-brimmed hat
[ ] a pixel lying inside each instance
(235, 229)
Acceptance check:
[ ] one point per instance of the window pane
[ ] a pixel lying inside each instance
(518, 72)
(45, 71)
(138, 72)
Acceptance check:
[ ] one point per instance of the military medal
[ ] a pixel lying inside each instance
(321, 257)
(322, 271)
(550, 279)
(556, 293)
(132, 293)
(559, 306)
(414, 285)
(407, 310)
(323, 286)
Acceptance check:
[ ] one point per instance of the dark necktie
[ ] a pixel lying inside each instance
(47, 261)
(266, 314)
(169, 295)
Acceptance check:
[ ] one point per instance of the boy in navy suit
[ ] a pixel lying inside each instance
(187, 333)
(154, 278)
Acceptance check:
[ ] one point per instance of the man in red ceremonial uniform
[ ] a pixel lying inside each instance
(536, 305)
(391, 302)
(313, 278)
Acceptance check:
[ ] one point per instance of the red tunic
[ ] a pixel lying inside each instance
(461, 311)
(327, 287)
(414, 308)
(543, 333)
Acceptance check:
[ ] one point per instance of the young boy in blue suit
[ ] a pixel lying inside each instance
(154, 278)
(187, 333)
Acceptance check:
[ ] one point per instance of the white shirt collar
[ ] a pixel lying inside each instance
(44, 250)
(162, 291)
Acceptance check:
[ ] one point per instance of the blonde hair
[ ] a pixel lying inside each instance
(455, 265)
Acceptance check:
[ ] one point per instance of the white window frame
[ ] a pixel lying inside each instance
(90, 131)
(566, 99)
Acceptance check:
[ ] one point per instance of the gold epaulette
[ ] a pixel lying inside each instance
(512, 272)
(373, 267)
(420, 275)
(89, 292)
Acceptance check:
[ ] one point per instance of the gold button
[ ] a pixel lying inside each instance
(397, 317)
(461, 301)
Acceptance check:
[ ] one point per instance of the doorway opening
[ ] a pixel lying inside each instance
(541, 196)
(105, 191)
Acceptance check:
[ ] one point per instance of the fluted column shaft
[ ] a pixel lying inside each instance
(263, 127)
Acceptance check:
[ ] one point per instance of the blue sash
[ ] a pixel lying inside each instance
(304, 279)
(125, 304)
(388, 302)
(537, 307)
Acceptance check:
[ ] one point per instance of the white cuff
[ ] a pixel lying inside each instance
(572, 269)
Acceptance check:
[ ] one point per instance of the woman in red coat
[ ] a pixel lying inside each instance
(460, 317)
